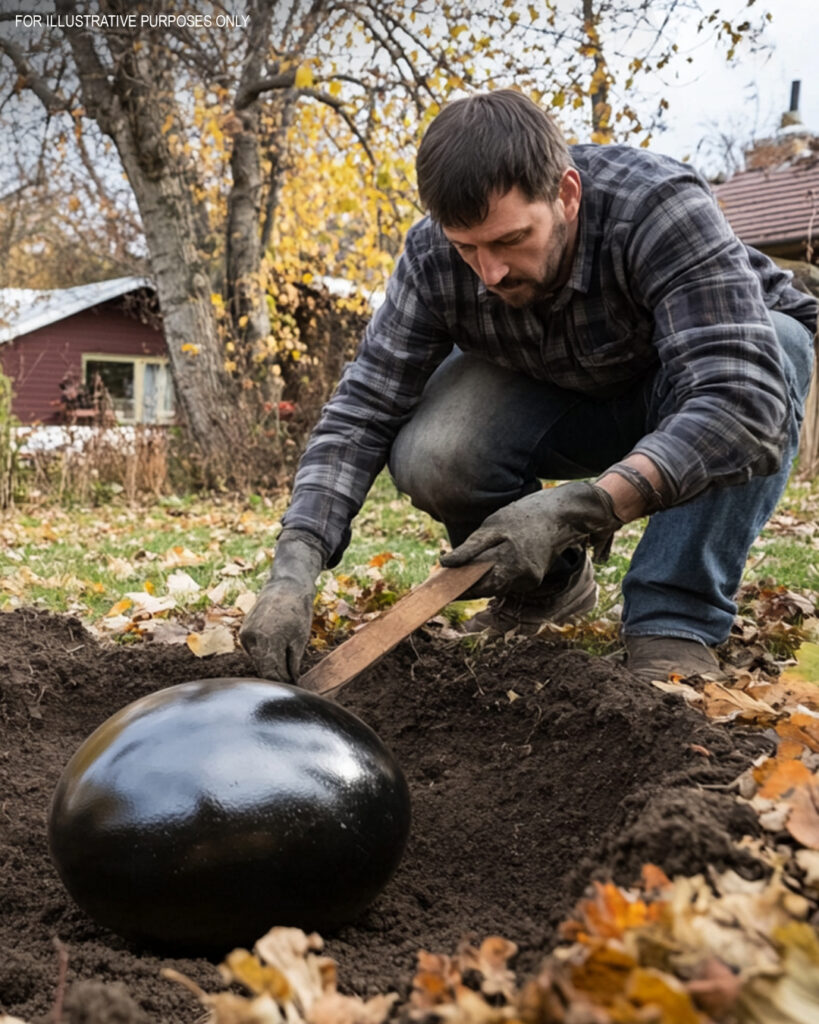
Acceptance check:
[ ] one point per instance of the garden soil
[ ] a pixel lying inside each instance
(532, 770)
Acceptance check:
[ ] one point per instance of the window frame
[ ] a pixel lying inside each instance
(164, 416)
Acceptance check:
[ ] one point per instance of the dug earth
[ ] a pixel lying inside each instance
(532, 770)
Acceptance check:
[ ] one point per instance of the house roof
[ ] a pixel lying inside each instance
(23, 310)
(769, 206)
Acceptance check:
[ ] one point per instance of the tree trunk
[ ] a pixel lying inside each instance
(133, 103)
(246, 289)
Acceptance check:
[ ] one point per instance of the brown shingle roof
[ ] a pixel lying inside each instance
(774, 205)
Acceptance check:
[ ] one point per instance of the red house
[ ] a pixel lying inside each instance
(57, 347)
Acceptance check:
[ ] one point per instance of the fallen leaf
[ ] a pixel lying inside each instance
(491, 959)
(723, 704)
(235, 568)
(657, 990)
(259, 978)
(166, 631)
(377, 561)
(182, 585)
(143, 602)
(217, 594)
(802, 727)
(683, 689)
(244, 602)
(335, 1008)
(789, 995)
(180, 558)
(121, 568)
(808, 861)
(213, 640)
(117, 609)
(803, 821)
(778, 778)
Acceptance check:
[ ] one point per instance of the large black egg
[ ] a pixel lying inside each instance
(199, 817)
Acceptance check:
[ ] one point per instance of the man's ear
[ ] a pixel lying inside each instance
(569, 193)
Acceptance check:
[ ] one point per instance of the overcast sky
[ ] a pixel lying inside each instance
(751, 96)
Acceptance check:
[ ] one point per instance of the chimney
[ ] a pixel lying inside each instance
(791, 117)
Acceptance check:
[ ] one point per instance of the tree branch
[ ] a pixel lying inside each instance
(51, 100)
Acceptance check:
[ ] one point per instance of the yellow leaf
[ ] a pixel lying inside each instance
(190, 348)
(334, 88)
(259, 978)
(119, 608)
(650, 988)
(304, 77)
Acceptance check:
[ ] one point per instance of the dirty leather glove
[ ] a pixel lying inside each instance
(525, 537)
(276, 631)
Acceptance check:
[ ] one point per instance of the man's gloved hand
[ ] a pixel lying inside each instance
(276, 631)
(525, 537)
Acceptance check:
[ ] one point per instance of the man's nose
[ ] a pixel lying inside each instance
(491, 269)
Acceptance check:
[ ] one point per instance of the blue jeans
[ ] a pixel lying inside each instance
(483, 436)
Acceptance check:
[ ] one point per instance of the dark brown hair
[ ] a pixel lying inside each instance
(489, 142)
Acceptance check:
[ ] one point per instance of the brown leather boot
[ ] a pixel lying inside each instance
(658, 657)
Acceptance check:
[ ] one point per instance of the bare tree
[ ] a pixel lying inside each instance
(135, 74)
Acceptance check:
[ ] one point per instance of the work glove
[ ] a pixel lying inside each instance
(524, 538)
(276, 631)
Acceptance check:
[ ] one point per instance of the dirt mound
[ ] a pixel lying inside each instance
(531, 769)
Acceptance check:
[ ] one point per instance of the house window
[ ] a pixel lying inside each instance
(140, 389)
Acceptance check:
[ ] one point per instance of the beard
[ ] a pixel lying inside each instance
(520, 291)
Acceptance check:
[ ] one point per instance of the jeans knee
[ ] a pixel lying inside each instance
(435, 474)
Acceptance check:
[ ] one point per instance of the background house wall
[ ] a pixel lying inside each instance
(36, 362)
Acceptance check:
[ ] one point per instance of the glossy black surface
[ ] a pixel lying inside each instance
(202, 815)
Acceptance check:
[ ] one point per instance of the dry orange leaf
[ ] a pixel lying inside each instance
(654, 878)
(378, 560)
(802, 727)
(782, 777)
(604, 973)
(429, 989)
(608, 914)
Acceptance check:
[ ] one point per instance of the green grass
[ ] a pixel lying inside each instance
(77, 560)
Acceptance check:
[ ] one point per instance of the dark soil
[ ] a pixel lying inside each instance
(532, 770)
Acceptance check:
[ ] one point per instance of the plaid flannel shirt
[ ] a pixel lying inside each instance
(659, 278)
